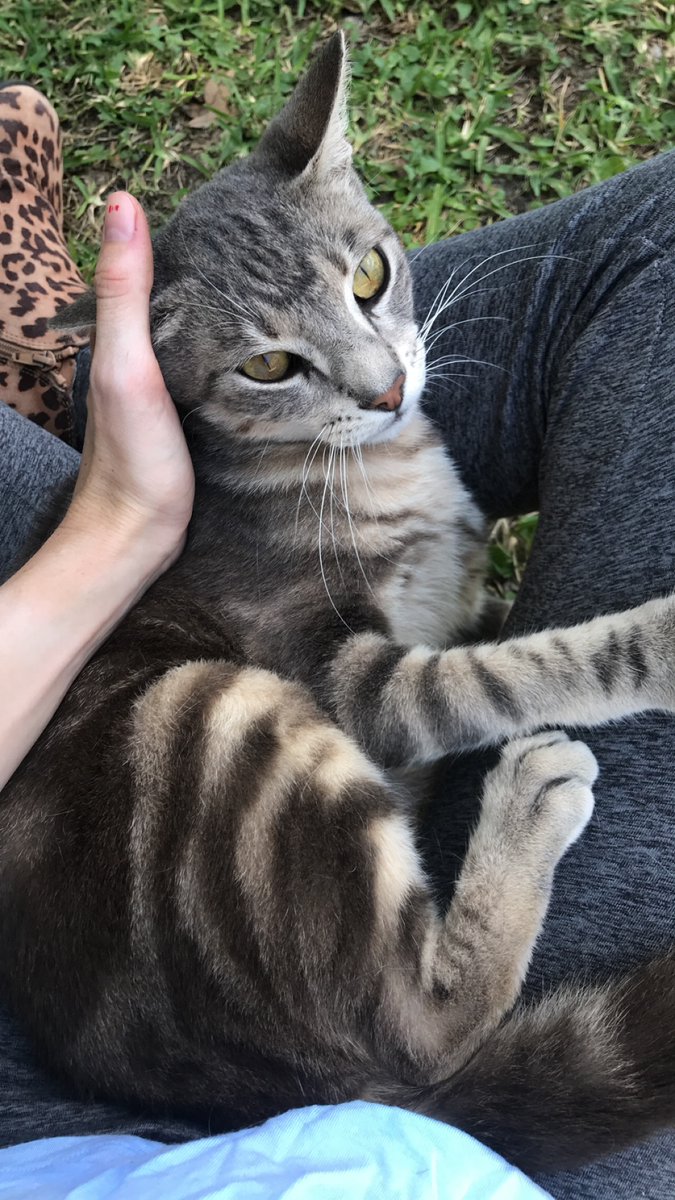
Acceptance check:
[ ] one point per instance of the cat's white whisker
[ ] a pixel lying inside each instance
(321, 565)
(306, 469)
(453, 375)
(436, 303)
(333, 497)
(476, 267)
(420, 250)
(201, 306)
(191, 413)
(457, 295)
(358, 455)
(438, 333)
(448, 360)
(352, 529)
(461, 386)
(260, 459)
(478, 292)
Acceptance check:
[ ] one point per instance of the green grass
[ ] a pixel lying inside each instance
(510, 546)
(461, 112)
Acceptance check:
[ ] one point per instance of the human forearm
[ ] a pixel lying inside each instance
(130, 511)
(57, 610)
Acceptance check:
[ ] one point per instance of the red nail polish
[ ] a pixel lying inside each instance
(120, 220)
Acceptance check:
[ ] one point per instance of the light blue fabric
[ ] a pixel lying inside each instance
(351, 1151)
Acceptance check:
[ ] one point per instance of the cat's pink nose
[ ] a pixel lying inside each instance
(391, 400)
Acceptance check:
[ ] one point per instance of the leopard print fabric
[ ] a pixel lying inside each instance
(37, 274)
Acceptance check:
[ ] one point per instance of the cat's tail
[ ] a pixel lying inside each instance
(581, 1074)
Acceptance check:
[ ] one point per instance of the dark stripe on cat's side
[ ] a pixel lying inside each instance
(318, 844)
(538, 660)
(239, 790)
(473, 535)
(211, 811)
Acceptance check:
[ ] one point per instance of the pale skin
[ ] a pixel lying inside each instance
(128, 519)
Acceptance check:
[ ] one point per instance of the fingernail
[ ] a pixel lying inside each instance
(120, 218)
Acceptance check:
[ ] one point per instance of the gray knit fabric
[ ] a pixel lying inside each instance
(571, 410)
(33, 466)
(577, 418)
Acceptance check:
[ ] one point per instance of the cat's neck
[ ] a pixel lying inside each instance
(285, 471)
(293, 534)
(292, 512)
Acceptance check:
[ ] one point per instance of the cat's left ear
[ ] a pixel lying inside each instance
(309, 136)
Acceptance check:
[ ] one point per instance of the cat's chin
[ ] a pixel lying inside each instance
(394, 426)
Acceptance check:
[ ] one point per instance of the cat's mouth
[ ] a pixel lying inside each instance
(369, 428)
(391, 426)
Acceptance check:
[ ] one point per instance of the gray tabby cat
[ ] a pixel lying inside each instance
(210, 895)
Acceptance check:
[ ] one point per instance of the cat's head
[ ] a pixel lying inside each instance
(282, 306)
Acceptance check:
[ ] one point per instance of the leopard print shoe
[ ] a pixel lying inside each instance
(37, 275)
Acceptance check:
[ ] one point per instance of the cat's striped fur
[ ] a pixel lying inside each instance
(210, 895)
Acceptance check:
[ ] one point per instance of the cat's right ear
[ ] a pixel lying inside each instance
(81, 314)
(309, 136)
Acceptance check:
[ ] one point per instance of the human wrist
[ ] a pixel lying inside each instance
(122, 533)
(56, 611)
(76, 589)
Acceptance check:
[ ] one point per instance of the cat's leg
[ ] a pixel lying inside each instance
(535, 803)
(576, 419)
(336, 918)
(416, 705)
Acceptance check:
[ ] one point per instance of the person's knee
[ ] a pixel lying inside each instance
(643, 200)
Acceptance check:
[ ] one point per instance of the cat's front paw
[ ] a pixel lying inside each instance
(540, 793)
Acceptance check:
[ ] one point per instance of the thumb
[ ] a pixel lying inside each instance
(123, 279)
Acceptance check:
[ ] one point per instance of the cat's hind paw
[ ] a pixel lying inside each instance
(540, 793)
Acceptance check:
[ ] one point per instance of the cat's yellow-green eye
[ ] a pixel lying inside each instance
(369, 275)
(267, 368)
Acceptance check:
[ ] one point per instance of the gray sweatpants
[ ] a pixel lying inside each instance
(568, 406)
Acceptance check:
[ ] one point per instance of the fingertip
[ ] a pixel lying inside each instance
(124, 219)
(125, 259)
(119, 224)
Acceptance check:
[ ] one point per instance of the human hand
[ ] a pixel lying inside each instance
(136, 479)
(128, 518)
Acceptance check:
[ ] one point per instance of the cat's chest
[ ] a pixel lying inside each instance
(421, 598)
(426, 534)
